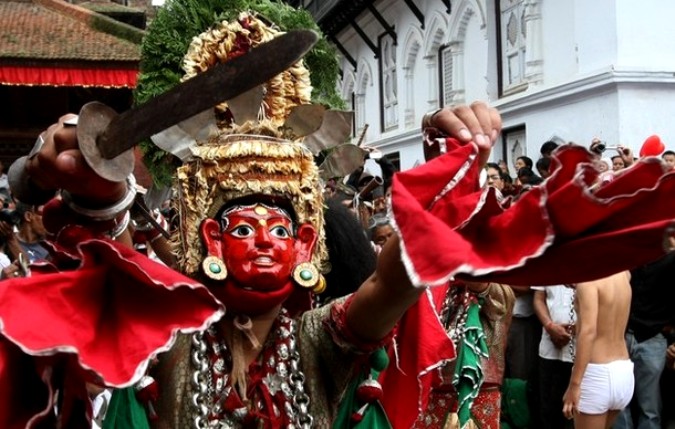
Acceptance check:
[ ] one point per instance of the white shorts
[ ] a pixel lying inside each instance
(606, 386)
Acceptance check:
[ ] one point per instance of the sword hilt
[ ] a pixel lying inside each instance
(93, 120)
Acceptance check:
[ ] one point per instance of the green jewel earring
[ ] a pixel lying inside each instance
(214, 268)
(306, 275)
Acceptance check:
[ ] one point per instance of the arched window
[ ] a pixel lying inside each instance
(388, 83)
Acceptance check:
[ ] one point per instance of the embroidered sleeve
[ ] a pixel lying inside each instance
(343, 336)
(498, 302)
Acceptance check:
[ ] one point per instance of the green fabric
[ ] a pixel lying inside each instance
(515, 410)
(374, 416)
(468, 376)
(125, 412)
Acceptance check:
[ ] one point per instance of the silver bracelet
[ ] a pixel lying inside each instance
(120, 227)
(106, 213)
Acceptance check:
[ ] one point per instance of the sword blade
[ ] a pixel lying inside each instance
(204, 91)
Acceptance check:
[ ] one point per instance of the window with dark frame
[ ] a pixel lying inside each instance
(511, 46)
(445, 71)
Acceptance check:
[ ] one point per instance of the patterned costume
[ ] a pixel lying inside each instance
(101, 312)
(443, 404)
(249, 170)
(443, 198)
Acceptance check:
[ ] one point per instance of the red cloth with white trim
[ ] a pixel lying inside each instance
(563, 231)
(100, 316)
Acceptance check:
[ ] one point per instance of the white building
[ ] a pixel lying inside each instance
(567, 70)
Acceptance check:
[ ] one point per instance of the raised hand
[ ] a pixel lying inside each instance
(477, 122)
(59, 164)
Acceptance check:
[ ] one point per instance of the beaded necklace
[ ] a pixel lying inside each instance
(276, 396)
(455, 311)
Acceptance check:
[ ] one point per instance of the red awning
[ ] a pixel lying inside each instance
(55, 76)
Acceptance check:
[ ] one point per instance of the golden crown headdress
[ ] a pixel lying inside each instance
(252, 145)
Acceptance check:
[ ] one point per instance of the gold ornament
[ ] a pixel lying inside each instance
(214, 268)
(306, 275)
(321, 286)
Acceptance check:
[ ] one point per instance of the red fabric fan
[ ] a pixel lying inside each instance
(455, 229)
(101, 320)
(566, 230)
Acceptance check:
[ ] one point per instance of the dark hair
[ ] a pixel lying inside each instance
(548, 147)
(534, 180)
(543, 164)
(22, 209)
(525, 172)
(375, 222)
(527, 176)
(527, 160)
(350, 253)
(668, 152)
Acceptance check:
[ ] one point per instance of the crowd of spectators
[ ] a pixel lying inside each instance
(541, 336)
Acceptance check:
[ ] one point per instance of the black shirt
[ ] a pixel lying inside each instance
(653, 301)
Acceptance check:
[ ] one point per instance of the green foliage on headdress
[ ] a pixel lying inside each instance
(171, 32)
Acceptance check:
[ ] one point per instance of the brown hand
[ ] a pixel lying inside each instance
(626, 154)
(60, 165)
(477, 122)
(11, 271)
(559, 334)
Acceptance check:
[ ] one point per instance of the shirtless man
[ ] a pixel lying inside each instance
(602, 381)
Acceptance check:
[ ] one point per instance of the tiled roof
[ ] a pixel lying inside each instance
(31, 31)
(98, 6)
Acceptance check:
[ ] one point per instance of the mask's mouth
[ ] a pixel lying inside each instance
(263, 261)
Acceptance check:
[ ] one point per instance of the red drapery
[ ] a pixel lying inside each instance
(61, 76)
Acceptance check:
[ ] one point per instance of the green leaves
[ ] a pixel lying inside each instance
(169, 36)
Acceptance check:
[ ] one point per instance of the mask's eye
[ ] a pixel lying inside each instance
(280, 231)
(242, 231)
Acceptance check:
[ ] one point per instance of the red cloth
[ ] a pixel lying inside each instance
(102, 320)
(561, 224)
(55, 76)
(412, 370)
(563, 231)
(485, 412)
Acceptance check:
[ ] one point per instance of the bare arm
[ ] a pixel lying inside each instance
(383, 298)
(60, 165)
(540, 307)
(559, 335)
(587, 320)
(670, 356)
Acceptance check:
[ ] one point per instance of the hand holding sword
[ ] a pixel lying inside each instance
(92, 160)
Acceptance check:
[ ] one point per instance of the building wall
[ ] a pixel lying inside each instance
(600, 68)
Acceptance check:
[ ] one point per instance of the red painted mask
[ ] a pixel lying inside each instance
(260, 251)
(258, 246)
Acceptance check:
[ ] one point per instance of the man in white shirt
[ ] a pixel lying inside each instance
(555, 308)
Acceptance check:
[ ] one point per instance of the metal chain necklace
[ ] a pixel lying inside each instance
(572, 324)
(455, 311)
(212, 362)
